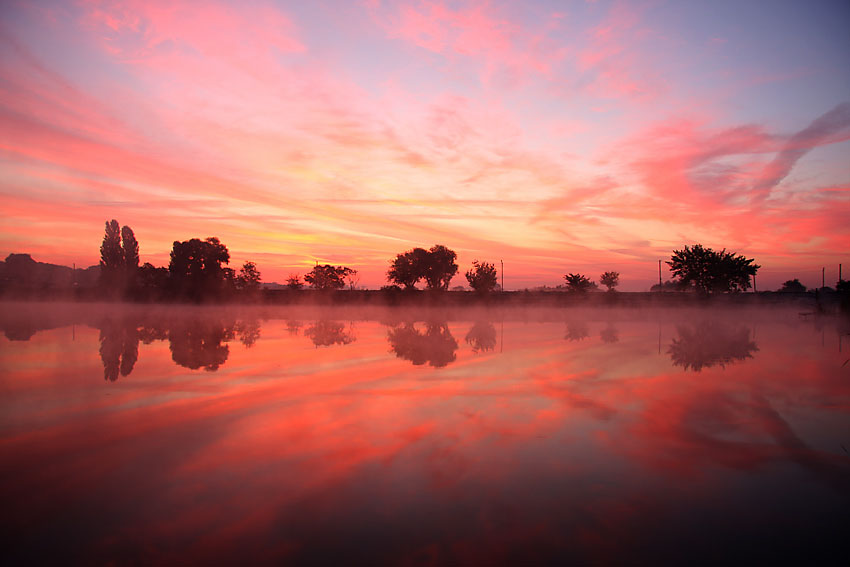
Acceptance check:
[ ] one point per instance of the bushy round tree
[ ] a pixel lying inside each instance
(482, 277)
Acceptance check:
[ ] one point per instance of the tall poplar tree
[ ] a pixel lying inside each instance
(111, 256)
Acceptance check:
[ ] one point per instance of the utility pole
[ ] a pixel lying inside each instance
(503, 275)
(823, 278)
(839, 272)
(659, 275)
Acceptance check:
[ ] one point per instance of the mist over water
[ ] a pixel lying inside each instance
(388, 435)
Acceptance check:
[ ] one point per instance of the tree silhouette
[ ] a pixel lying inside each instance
(294, 282)
(436, 266)
(130, 249)
(152, 281)
(248, 280)
(441, 267)
(793, 286)
(610, 280)
(119, 259)
(352, 278)
(19, 271)
(111, 257)
(578, 283)
(408, 268)
(327, 277)
(482, 277)
(709, 271)
(196, 268)
(435, 347)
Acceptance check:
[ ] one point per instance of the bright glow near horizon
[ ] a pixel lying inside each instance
(557, 136)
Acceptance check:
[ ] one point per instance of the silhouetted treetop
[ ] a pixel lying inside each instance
(119, 259)
(578, 283)
(408, 268)
(248, 280)
(294, 282)
(111, 254)
(482, 277)
(436, 266)
(196, 267)
(327, 277)
(709, 271)
(441, 267)
(793, 286)
(610, 280)
(130, 249)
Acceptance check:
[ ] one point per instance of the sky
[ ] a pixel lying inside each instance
(555, 136)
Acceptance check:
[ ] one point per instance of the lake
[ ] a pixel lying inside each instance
(322, 435)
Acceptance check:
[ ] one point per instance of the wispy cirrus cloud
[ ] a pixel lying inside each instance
(502, 130)
(505, 50)
(831, 127)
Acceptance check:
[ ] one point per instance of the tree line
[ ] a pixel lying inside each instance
(198, 270)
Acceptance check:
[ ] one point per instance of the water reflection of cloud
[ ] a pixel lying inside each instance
(553, 451)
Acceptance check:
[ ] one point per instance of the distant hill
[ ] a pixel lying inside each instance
(19, 272)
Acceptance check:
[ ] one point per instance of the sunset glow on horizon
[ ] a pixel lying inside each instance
(578, 136)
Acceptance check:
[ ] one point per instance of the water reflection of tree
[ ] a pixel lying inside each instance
(293, 327)
(119, 348)
(436, 346)
(327, 333)
(195, 342)
(198, 344)
(576, 331)
(609, 334)
(710, 343)
(248, 331)
(481, 336)
(20, 331)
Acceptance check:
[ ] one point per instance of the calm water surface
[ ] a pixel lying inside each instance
(341, 436)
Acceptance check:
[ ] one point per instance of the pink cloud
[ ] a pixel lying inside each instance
(831, 127)
(614, 62)
(139, 29)
(503, 49)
